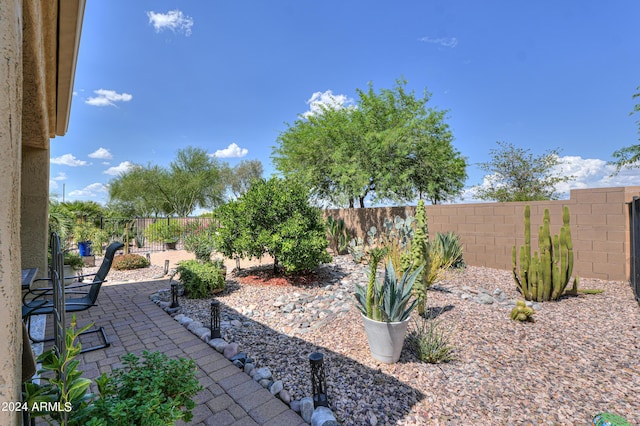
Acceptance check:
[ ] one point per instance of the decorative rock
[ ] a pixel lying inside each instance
(241, 356)
(194, 325)
(238, 363)
(276, 387)
(249, 367)
(185, 321)
(323, 416)
(218, 344)
(203, 333)
(294, 405)
(484, 299)
(262, 373)
(230, 350)
(265, 383)
(285, 396)
(306, 408)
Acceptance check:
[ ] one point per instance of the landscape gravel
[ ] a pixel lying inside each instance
(580, 357)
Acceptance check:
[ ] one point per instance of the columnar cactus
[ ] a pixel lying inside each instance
(545, 276)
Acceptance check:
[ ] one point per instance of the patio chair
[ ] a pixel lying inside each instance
(84, 295)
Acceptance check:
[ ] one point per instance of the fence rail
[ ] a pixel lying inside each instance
(635, 246)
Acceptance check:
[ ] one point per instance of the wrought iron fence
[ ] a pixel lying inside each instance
(150, 234)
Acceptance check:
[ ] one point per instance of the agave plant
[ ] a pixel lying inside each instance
(392, 297)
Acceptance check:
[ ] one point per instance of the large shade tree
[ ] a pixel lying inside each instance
(515, 174)
(194, 179)
(629, 156)
(382, 148)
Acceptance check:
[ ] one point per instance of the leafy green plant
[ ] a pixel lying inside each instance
(199, 279)
(84, 231)
(338, 235)
(125, 262)
(545, 276)
(73, 259)
(199, 240)
(164, 231)
(156, 391)
(450, 249)
(62, 394)
(357, 250)
(522, 312)
(277, 219)
(391, 299)
(429, 342)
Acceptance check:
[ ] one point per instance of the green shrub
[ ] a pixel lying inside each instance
(274, 217)
(125, 262)
(200, 279)
(156, 391)
(199, 240)
(164, 231)
(450, 249)
(429, 342)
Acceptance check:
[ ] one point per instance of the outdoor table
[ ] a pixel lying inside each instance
(28, 275)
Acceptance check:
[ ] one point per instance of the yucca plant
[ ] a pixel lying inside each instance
(450, 249)
(392, 297)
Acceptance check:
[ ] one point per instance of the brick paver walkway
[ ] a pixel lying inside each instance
(134, 323)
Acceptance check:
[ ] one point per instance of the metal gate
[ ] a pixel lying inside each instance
(635, 247)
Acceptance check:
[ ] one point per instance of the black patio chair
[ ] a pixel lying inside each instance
(84, 295)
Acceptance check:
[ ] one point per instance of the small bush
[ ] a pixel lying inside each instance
(450, 249)
(156, 391)
(200, 279)
(429, 342)
(125, 262)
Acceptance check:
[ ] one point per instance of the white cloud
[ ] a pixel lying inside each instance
(93, 190)
(60, 176)
(588, 173)
(441, 41)
(101, 153)
(232, 151)
(68, 160)
(108, 98)
(173, 20)
(123, 167)
(320, 101)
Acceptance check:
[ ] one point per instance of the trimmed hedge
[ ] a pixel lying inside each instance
(200, 279)
(129, 261)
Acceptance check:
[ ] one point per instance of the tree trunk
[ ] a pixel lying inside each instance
(361, 202)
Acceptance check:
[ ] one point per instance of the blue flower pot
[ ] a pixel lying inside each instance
(85, 248)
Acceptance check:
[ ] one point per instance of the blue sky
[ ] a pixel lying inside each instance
(154, 77)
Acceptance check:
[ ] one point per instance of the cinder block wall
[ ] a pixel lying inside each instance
(599, 228)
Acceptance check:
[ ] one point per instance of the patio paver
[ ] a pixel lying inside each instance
(134, 323)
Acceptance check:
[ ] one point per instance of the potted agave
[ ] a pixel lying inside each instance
(386, 307)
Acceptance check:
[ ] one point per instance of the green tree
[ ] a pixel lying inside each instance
(515, 174)
(629, 156)
(241, 176)
(378, 149)
(277, 219)
(194, 179)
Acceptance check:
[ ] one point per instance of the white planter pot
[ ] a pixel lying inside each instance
(385, 339)
(69, 274)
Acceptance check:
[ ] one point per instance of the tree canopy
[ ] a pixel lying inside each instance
(194, 179)
(515, 174)
(242, 175)
(387, 147)
(629, 156)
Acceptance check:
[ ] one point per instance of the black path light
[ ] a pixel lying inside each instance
(174, 296)
(215, 319)
(318, 382)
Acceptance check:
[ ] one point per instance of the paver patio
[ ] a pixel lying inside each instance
(134, 323)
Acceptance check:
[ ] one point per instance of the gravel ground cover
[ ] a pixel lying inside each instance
(580, 357)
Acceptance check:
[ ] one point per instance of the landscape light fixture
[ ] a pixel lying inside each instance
(318, 382)
(215, 319)
(174, 296)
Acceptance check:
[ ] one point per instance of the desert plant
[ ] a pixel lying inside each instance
(522, 312)
(200, 241)
(545, 276)
(125, 262)
(357, 250)
(199, 279)
(156, 391)
(391, 299)
(449, 247)
(61, 385)
(429, 342)
(164, 231)
(338, 235)
(72, 259)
